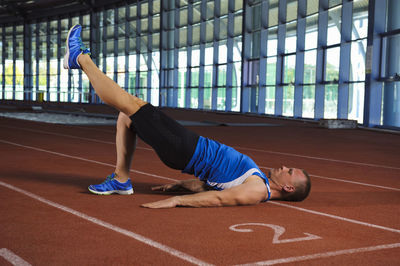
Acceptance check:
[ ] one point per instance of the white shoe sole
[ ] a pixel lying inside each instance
(120, 192)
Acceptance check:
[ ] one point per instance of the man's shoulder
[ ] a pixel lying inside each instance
(258, 184)
(256, 179)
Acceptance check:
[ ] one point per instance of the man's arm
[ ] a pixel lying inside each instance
(252, 191)
(193, 185)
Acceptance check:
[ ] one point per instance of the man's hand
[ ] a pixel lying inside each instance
(162, 204)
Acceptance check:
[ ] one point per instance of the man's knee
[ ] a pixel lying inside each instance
(130, 104)
(123, 120)
(140, 102)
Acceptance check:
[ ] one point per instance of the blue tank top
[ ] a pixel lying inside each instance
(221, 166)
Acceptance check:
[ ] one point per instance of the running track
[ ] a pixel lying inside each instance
(47, 217)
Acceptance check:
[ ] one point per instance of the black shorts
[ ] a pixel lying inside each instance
(174, 144)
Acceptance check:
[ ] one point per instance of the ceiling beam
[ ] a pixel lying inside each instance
(14, 11)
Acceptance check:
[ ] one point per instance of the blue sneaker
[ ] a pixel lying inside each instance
(110, 186)
(75, 47)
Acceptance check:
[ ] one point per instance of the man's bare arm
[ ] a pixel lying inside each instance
(193, 185)
(251, 192)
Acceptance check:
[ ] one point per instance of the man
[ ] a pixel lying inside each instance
(225, 176)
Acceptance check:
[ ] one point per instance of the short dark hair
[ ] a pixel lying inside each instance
(301, 192)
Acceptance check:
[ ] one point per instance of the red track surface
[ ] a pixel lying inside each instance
(47, 217)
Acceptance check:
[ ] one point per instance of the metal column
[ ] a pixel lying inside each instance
(299, 69)
(391, 99)
(373, 88)
(321, 64)
(345, 55)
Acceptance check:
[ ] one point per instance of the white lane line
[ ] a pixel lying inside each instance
(82, 159)
(320, 158)
(347, 181)
(68, 136)
(143, 148)
(157, 176)
(112, 227)
(337, 217)
(96, 128)
(13, 258)
(324, 255)
(357, 183)
(236, 147)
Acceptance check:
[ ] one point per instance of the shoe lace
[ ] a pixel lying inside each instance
(83, 47)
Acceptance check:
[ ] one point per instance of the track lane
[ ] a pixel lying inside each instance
(256, 155)
(183, 219)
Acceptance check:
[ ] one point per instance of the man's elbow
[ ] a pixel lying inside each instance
(243, 200)
(249, 198)
(216, 201)
(248, 201)
(236, 200)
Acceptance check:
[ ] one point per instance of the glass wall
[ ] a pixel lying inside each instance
(302, 46)
(293, 58)
(201, 54)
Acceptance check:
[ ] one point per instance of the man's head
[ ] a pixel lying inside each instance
(294, 183)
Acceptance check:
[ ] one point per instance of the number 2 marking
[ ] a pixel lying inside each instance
(279, 230)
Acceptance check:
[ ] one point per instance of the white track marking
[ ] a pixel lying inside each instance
(167, 178)
(143, 148)
(97, 129)
(82, 159)
(112, 227)
(69, 136)
(12, 258)
(278, 231)
(337, 217)
(149, 149)
(320, 158)
(239, 148)
(357, 183)
(347, 181)
(324, 255)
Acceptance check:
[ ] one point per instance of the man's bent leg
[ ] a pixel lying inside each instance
(119, 182)
(109, 91)
(125, 141)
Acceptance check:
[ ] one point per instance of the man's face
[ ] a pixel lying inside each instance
(286, 176)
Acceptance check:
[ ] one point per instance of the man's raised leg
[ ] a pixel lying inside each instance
(109, 91)
(77, 56)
